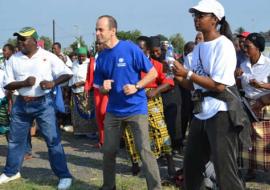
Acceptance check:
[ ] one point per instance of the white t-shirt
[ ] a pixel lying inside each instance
(79, 74)
(216, 59)
(43, 65)
(259, 71)
(2, 90)
(69, 62)
(188, 61)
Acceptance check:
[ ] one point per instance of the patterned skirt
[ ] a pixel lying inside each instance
(4, 116)
(160, 141)
(258, 155)
(82, 115)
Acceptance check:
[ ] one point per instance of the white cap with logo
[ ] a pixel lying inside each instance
(209, 6)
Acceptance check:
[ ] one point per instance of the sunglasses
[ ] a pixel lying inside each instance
(199, 15)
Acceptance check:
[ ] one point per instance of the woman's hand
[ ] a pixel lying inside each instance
(238, 72)
(152, 93)
(255, 83)
(179, 70)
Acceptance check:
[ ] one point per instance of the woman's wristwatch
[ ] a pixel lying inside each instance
(189, 75)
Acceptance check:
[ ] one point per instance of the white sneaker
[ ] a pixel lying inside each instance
(6, 179)
(68, 128)
(64, 183)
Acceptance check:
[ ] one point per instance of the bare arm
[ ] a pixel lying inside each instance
(78, 84)
(132, 88)
(50, 84)
(30, 81)
(205, 82)
(151, 75)
(161, 88)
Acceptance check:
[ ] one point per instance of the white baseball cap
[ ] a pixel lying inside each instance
(209, 6)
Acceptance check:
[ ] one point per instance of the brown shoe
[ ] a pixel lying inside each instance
(28, 156)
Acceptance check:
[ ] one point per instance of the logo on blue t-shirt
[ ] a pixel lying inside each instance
(121, 62)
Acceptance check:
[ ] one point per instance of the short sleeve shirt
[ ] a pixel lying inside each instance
(217, 60)
(2, 90)
(79, 74)
(259, 71)
(123, 64)
(43, 65)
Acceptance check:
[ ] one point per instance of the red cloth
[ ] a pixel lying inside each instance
(90, 75)
(161, 78)
(100, 100)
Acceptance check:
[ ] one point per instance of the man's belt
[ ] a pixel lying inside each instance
(30, 98)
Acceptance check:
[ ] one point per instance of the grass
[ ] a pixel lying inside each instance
(124, 182)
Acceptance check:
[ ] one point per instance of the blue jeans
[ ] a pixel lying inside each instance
(28, 149)
(22, 116)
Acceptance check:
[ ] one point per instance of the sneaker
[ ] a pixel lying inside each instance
(64, 183)
(68, 128)
(6, 179)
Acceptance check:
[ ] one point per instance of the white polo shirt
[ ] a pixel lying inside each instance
(79, 74)
(259, 71)
(43, 65)
(217, 60)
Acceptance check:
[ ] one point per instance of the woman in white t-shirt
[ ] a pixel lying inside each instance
(80, 114)
(211, 134)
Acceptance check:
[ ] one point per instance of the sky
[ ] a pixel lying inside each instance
(78, 17)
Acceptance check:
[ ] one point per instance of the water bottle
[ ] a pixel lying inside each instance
(169, 58)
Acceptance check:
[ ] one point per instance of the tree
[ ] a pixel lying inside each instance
(12, 41)
(162, 37)
(47, 42)
(129, 35)
(178, 42)
(266, 35)
(239, 30)
(78, 43)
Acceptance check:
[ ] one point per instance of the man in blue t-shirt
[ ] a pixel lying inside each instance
(117, 74)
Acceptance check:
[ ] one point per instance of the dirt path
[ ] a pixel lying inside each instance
(85, 164)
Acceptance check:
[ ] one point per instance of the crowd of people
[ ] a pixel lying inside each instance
(125, 93)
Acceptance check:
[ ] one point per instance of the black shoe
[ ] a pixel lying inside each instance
(135, 169)
(250, 176)
(170, 165)
(114, 188)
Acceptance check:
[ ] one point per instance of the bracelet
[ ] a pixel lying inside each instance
(189, 75)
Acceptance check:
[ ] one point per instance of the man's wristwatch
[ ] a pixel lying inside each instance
(138, 87)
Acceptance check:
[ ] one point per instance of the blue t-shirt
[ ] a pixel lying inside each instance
(123, 64)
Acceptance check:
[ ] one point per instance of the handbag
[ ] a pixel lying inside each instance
(59, 104)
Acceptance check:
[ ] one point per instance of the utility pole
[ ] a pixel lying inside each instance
(53, 31)
(77, 35)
